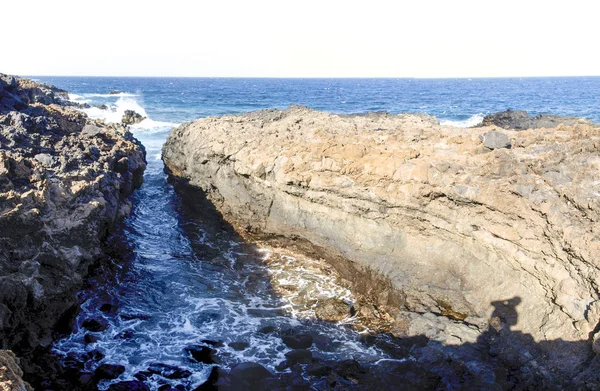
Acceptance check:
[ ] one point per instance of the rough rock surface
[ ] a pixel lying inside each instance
(131, 117)
(504, 245)
(521, 120)
(64, 181)
(10, 373)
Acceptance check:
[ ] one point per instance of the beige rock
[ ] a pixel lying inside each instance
(427, 206)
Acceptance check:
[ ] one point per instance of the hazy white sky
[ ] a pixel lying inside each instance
(264, 38)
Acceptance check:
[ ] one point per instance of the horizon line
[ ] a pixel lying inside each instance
(327, 77)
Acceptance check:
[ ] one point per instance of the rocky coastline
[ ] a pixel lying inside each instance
(483, 240)
(65, 181)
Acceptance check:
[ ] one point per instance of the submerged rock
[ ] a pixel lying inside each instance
(417, 218)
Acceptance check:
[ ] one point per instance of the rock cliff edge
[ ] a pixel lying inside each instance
(454, 227)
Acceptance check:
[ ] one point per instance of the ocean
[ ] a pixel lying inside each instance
(186, 279)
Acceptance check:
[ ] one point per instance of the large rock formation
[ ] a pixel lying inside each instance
(64, 181)
(505, 241)
(521, 120)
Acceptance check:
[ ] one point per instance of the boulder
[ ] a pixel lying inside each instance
(169, 371)
(130, 117)
(333, 310)
(203, 354)
(295, 339)
(95, 324)
(495, 140)
(299, 356)
(108, 371)
(248, 375)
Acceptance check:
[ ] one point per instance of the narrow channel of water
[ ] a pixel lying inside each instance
(188, 279)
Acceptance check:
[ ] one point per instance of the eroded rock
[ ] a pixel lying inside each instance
(417, 217)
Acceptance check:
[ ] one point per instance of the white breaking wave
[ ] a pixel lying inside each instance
(474, 120)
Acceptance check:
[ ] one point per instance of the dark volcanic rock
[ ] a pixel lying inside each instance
(239, 345)
(249, 375)
(203, 354)
(169, 371)
(109, 371)
(130, 117)
(132, 385)
(95, 324)
(296, 339)
(521, 120)
(212, 383)
(60, 195)
(299, 356)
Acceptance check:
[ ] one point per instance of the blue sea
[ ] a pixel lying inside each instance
(189, 280)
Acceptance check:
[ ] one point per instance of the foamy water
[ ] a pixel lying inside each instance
(190, 279)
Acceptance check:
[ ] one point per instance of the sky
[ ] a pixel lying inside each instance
(325, 38)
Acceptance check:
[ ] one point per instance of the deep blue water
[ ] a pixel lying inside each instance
(188, 278)
(185, 99)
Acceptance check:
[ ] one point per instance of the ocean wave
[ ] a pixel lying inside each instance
(115, 112)
(474, 120)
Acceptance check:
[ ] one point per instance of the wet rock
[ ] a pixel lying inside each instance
(495, 140)
(108, 308)
(169, 371)
(267, 329)
(210, 342)
(135, 316)
(521, 120)
(90, 338)
(333, 310)
(350, 370)
(102, 107)
(318, 370)
(95, 324)
(249, 375)
(212, 383)
(114, 92)
(94, 355)
(131, 385)
(295, 339)
(60, 199)
(125, 334)
(401, 193)
(282, 366)
(108, 371)
(130, 117)
(299, 356)
(203, 354)
(239, 345)
(142, 375)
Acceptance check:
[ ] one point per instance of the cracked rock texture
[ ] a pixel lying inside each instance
(455, 228)
(64, 181)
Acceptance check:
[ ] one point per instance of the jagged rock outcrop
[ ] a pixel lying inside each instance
(505, 240)
(131, 117)
(521, 120)
(64, 181)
